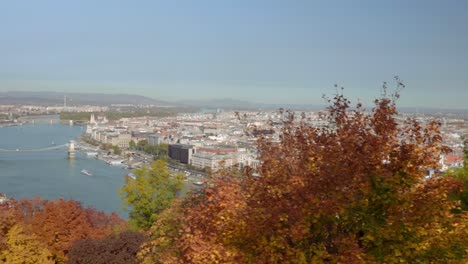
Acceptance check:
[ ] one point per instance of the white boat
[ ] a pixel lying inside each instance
(115, 162)
(87, 173)
(92, 154)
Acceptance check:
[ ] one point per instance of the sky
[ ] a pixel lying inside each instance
(261, 51)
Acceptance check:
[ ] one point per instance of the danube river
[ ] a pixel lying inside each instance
(50, 174)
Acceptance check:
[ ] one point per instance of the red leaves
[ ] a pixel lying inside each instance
(346, 193)
(117, 249)
(60, 223)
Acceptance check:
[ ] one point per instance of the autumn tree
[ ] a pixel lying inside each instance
(7, 221)
(60, 223)
(153, 190)
(352, 191)
(162, 246)
(22, 247)
(120, 248)
(462, 174)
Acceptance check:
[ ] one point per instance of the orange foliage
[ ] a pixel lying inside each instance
(350, 192)
(60, 223)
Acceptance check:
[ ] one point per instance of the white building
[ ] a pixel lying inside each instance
(121, 140)
(214, 161)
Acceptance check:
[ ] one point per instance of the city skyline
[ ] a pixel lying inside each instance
(262, 51)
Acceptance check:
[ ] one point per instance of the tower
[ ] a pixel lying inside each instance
(92, 120)
(71, 149)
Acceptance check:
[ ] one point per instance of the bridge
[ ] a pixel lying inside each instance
(36, 150)
(71, 146)
(39, 120)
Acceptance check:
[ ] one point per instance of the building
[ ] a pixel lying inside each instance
(246, 159)
(214, 161)
(92, 120)
(154, 139)
(218, 150)
(121, 140)
(181, 153)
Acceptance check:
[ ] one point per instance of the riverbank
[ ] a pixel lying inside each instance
(10, 123)
(134, 159)
(50, 174)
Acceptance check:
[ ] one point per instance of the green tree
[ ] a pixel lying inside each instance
(150, 193)
(77, 116)
(159, 152)
(162, 247)
(132, 144)
(142, 144)
(116, 150)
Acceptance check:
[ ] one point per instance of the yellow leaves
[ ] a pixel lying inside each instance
(24, 249)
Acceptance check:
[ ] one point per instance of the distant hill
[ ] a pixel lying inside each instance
(57, 98)
(233, 104)
(221, 103)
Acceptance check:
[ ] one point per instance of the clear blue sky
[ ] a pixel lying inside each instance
(262, 51)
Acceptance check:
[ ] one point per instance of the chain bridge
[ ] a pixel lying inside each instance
(71, 146)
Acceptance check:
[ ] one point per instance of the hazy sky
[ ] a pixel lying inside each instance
(286, 51)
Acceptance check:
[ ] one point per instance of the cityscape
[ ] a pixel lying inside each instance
(250, 132)
(207, 138)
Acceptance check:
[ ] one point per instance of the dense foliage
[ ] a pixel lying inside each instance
(34, 230)
(22, 247)
(119, 248)
(150, 193)
(462, 174)
(350, 192)
(140, 113)
(114, 115)
(159, 152)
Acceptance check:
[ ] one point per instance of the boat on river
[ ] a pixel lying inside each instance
(87, 173)
(115, 162)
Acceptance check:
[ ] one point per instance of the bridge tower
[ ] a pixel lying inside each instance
(71, 149)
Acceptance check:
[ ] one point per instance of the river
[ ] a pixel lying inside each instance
(50, 174)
